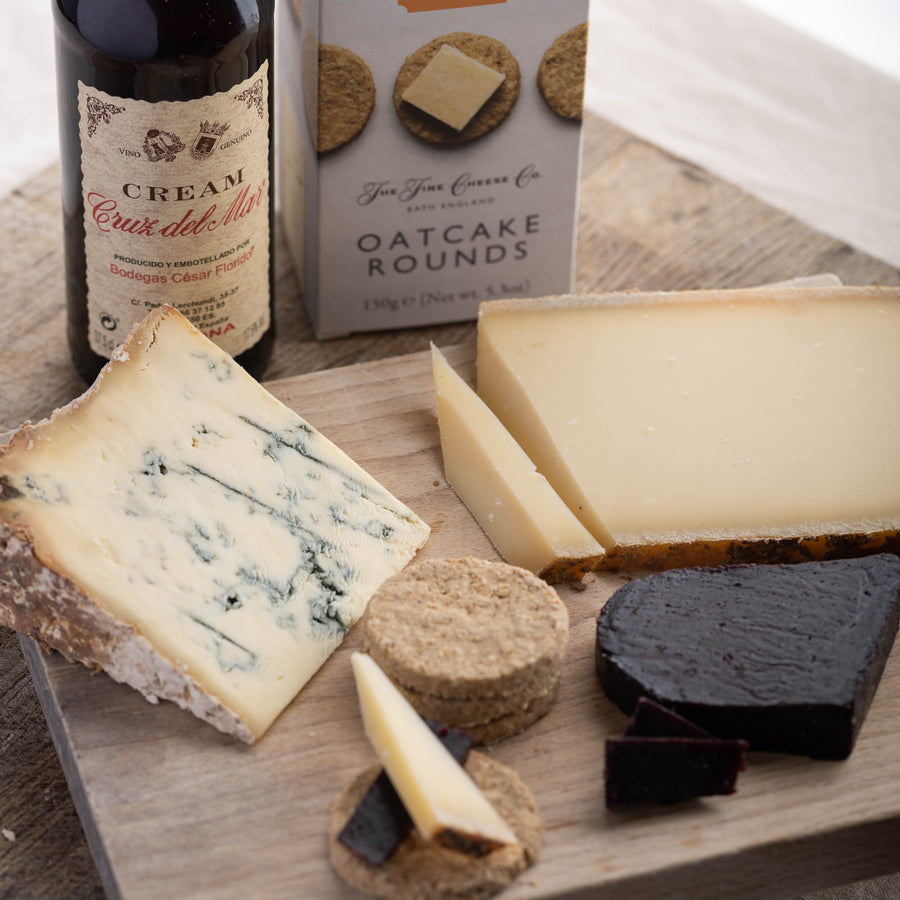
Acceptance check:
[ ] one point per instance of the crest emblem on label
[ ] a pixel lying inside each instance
(162, 145)
(207, 139)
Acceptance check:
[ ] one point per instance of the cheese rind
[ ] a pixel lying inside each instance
(513, 503)
(182, 529)
(444, 803)
(453, 87)
(706, 419)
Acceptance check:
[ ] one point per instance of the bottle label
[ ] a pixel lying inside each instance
(176, 210)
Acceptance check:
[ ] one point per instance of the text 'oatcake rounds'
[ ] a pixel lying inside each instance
(483, 49)
(425, 870)
(474, 644)
(562, 72)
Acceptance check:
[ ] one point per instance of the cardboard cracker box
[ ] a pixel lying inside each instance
(429, 154)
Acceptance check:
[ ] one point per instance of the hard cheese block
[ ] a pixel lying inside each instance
(707, 426)
(180, 528)
(522, 515)
(786, 657)
(446, 806)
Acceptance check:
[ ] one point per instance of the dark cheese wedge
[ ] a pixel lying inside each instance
(652, 719)
(381, 823)
(670, 769)
(664, 758)
(787, 657)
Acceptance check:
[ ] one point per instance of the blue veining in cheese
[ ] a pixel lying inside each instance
(188, 503)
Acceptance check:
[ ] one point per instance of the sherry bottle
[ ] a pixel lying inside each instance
(166, 139)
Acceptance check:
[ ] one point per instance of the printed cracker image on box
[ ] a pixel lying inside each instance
(429, 154)
(562, 72)
(457, 87)
(346, 96)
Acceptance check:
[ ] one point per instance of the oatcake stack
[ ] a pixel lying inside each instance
(470, 643)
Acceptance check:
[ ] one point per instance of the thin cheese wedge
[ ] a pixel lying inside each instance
(709, 425)
(180, 528)
(513, 503)
(446, 806)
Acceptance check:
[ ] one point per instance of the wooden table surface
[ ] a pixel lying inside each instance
(648, 221)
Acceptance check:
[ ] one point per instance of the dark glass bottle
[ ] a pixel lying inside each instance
(179, 195)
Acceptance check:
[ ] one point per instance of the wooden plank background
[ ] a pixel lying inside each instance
(648, 221)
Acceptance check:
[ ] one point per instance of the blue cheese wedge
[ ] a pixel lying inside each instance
(180, 528)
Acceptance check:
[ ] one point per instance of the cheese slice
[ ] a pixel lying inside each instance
(513, 503)
(707, 419)
(453, 87)
(446, 806)
(182, 529)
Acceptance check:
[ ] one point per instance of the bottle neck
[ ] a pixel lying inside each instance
(154, 30)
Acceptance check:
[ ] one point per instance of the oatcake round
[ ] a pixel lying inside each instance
(513, 722)
(483, 49)
(423, 870)
(467, 628)
(471, 711)
(346, 96)
(562, 71)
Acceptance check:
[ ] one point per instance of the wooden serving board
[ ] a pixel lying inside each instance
(174, 809)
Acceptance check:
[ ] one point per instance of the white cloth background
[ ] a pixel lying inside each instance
(802, 110)
(797, 101)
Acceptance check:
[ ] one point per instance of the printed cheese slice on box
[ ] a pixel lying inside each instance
(180, 528)
(453, 87)
(705, 426)
(446, 806)
(522, 515)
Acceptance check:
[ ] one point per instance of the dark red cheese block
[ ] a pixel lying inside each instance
(663, 758)
(381, 823)
(670, 769)
(786, 657)
(652, 719)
